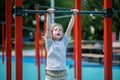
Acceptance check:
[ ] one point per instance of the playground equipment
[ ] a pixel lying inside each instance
(77, 37)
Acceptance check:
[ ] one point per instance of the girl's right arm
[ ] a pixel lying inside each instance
(48, 24)
(71, 23)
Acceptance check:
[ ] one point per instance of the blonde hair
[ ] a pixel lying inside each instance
(54, 25)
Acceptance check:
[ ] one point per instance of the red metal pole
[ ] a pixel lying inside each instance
(78, 42)
(37, 41)
(8, 11)
(18, 41)
(107, 43)
(74, 53)
(36, 38)
(3, 43)
(35, 50)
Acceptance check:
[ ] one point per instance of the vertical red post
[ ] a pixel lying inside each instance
(3, 43)
(37, 37)
(18, 41)
(107, 43)
(36, 57)
(78, 42)
(8, 11)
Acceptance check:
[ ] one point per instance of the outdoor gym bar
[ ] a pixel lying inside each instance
(59, 8)
(19, 11)
(64, 12)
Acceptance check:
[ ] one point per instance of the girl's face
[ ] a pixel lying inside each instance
(57, 33)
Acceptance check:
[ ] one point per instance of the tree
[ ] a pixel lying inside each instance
(96, 21)
(91, 21)
(2, 16)
(92, 25)
(116, 17)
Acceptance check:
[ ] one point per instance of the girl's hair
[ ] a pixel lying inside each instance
(54, 25)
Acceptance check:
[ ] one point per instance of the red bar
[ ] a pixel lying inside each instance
(37, 41)
(108, 43)
(18, 42)
(8, 11)
(74, 52)
(78, 42)
(3, 43)
(36, 57)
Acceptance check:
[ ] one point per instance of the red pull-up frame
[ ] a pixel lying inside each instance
(77, 38)
(8, 14)
(18, 42)
(107, 43)
(37, 38)
(78, 42)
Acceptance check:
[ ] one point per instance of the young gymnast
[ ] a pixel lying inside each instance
(56, 42)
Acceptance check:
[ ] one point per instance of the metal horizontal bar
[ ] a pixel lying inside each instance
(26, 28)
(116, 11)
(59, 17)
(45, 11)
(46, 7)
(91, 12)
(35, 11)
(64, 12)
(2, 22)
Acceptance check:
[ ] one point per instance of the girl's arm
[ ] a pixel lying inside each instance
(48, 24)
(71, 23)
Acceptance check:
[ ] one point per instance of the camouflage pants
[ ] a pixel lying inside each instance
(56, 75)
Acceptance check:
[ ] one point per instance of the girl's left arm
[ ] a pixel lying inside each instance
(71, 23)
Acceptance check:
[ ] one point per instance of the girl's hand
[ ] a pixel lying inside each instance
(75, 11)
(51, 10)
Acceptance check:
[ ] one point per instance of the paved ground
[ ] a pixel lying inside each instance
(25, 53)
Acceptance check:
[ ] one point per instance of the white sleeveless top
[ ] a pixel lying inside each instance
(56, 53)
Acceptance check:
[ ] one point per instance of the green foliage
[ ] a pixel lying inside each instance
(2, 10)
(66, 4)
(88, 21)
(29, 18)
(95, 21)
(116, 17)
(2, 16)
(29, 4)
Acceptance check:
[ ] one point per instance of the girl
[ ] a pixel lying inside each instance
(56, 43)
